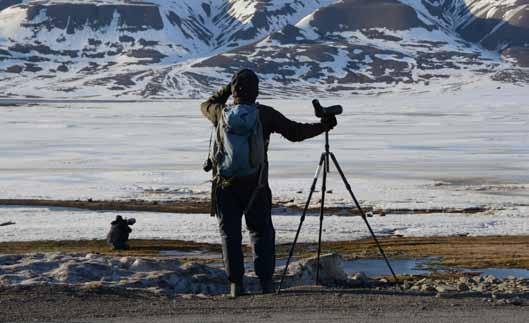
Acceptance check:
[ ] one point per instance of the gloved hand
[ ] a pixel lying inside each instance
(329, 122)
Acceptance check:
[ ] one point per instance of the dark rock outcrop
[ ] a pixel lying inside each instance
(492, 24)
(365, 14)
(518, 55)
(73, 17)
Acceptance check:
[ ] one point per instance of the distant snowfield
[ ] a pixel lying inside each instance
(426, 151)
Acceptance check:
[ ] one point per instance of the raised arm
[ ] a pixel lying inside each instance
(210, 109)
(291, 130)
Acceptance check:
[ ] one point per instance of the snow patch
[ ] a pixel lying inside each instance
(11, 20)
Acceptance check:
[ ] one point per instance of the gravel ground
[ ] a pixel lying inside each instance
(53, 303)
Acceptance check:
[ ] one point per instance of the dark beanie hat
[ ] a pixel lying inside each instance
(245, 86)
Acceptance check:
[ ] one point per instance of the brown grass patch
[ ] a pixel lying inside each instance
(137, 247)
(468, 252)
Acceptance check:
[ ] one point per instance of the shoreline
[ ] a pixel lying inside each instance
(202, 206)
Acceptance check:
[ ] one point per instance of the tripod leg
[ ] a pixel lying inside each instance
(349, 189)
(302, 219)
(322, 206)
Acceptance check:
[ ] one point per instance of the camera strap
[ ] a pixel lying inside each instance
(210, 140)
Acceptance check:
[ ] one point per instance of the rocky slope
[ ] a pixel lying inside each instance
(186, 48)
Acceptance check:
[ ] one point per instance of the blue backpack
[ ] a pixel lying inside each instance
(238, 148)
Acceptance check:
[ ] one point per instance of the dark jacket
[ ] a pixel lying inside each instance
(272, 120)
(119, 233)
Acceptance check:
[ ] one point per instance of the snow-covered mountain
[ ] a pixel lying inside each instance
(186, 48)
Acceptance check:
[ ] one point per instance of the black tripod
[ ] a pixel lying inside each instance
(324, 161)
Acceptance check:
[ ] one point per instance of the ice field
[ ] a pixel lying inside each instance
(426, 151)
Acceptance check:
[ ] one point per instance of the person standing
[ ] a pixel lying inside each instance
(240, 187)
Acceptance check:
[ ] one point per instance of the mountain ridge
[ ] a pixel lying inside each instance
(186, 48)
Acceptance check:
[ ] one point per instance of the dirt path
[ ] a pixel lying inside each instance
(62, 304)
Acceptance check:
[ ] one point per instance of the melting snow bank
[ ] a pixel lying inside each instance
(168, 276)
(160, 275)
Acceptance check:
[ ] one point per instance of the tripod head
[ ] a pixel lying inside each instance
(324, 112)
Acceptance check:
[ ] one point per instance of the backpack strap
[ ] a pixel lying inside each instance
(262, 168)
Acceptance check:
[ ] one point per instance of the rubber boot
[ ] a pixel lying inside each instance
(267, 286)
(236, 290)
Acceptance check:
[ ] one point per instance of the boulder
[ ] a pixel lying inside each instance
(331, 270)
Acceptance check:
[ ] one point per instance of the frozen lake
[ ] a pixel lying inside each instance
(433, 149)
(426, 151)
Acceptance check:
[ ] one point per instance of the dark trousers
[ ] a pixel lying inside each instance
(231, 202)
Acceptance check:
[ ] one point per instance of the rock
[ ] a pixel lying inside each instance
(462, 287)
(15, 69)
(428, 288)
(477, 279)
(445, 289)
(90, 256)
(491, 279)
(125, 261)
(358, 280)
(479, 289)
(502, 301)
(415, 287)
(360, 276)
(406, 285)
(331, 270)
(62, 68)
